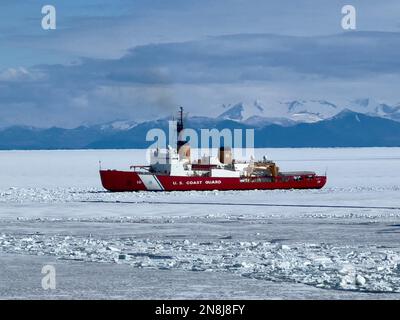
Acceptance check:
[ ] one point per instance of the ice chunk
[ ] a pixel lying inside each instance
(360, 280)
(113, 249)
(284, 247)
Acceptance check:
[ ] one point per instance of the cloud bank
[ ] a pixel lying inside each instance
(150, 80)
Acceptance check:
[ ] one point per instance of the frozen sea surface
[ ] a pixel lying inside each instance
(338, 242)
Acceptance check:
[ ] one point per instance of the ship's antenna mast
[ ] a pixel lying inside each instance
(179, 129)
(180, 121)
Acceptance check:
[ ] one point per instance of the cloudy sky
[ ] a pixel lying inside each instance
(138, 59)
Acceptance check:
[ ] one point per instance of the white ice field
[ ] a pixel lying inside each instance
(341, 241)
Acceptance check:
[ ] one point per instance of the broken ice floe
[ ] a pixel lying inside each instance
(360, 268)
(73, 194)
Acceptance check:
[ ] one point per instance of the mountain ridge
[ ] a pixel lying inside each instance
(345, 129)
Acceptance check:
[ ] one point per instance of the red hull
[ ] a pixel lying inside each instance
(118, 181)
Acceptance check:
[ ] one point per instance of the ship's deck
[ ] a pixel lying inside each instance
(297, 173)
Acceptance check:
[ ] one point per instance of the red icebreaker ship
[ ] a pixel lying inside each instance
(172, 170)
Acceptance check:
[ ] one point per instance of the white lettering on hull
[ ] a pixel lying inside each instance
(197, 182)
(213, 182)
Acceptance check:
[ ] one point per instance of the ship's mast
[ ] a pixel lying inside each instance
(179, 129)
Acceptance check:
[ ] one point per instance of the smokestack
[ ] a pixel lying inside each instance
(225, 155)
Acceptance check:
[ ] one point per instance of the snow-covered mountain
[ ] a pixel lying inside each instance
(241, 112)
(254, 114)
(345, 129)
(310, 110)
(282, 113)
(359, 122)
(290, 112)
(375, 108)
(118, 125)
